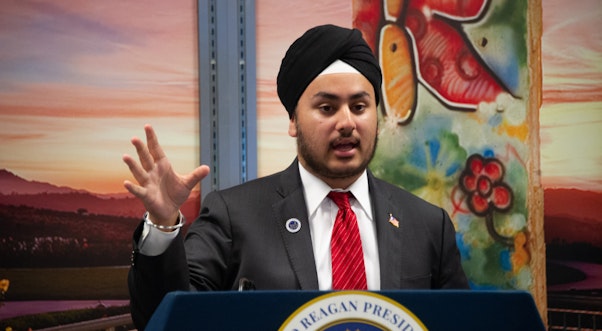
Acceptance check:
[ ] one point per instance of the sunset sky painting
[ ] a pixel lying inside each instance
(571, 114)
(78, 80)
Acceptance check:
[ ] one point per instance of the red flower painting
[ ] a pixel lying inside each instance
(486, 193)
(482, 183)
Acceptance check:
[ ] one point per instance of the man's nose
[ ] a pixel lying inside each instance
(345, 120)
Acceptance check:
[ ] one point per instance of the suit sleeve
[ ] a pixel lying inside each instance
(209, 247)
(200, 262)
(151, 277)
(451, 275)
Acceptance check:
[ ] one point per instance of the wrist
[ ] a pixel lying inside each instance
(178, 222)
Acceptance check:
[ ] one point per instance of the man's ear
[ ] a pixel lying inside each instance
(292, 127)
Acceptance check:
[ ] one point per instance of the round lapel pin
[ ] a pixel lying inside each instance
(293, 225)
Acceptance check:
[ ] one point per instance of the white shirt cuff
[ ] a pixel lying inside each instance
(154, 242)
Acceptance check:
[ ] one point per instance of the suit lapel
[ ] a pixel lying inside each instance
(298, 244)
(389, 236)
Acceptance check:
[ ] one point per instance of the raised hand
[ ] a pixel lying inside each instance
(160, 188)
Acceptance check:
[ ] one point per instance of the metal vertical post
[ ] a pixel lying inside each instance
(227, 92)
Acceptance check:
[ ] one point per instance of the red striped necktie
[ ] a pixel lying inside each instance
(348, 271)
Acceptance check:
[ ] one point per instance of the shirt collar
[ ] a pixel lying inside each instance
(316, 190)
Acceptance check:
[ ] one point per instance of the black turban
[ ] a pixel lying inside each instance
(315, 50)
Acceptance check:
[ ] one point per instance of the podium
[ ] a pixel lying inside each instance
(269, 310)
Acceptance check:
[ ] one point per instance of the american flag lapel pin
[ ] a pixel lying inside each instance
(393, 221)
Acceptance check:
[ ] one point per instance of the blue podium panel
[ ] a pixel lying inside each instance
(269, 310)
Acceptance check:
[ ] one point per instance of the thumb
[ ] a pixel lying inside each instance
(196, 176)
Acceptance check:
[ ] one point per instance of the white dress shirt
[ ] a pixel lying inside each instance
(322, 213)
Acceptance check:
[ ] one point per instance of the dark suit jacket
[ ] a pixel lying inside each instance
(240, 233)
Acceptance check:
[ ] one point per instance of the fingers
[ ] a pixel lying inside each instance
(155, 168)
(153, 143)
(139, 173)
(149, 153)
(146, 160)
(136, 190)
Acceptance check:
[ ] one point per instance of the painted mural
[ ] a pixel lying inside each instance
(454, 123)
(77, 81)
(571, 151)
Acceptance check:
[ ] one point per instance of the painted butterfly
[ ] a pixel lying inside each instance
(423, 41)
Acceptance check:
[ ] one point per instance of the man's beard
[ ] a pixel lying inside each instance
(320, 168)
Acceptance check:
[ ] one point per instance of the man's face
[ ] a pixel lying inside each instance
(335, 124)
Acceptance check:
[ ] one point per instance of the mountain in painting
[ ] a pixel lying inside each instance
(572, 215)
(17, 191)
(13, 184)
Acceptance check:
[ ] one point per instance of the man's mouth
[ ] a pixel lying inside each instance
(345, 147)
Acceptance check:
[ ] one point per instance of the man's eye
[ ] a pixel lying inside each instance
(325, 108)
(359, 107)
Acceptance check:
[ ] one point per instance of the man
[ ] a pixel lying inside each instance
(279, 231)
